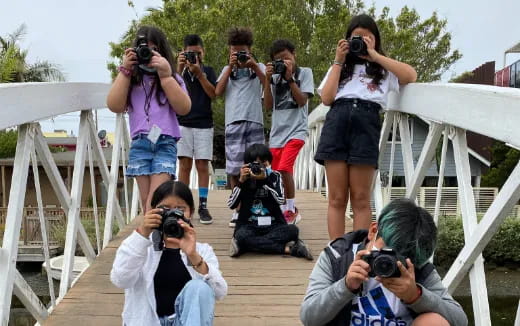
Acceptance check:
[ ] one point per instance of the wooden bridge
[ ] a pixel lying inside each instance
(263, 289)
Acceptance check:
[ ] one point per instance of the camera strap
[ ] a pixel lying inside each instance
(148, 98)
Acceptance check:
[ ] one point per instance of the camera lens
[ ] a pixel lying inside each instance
(144, 54)
(384, 266)
(172, 229)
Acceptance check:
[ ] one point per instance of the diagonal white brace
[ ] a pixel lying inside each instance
(24, 147)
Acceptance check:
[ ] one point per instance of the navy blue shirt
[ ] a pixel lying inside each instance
(201, 115)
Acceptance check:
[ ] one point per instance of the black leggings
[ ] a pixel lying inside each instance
(265, 239)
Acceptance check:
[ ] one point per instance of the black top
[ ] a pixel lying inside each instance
(169, 280)
(200, 115)
(259, 198)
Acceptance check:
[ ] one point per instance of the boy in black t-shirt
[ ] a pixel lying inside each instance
(261, 225)
(196, 127)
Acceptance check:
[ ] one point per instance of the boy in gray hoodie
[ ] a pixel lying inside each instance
(364, 279)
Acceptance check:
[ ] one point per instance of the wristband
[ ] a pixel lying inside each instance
(200, 263)
(124, 71)
(337, 63)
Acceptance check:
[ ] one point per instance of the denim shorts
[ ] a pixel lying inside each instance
(146, 158)
(351, 133)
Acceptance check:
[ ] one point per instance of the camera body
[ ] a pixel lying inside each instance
(383, 263)
(242, 56)
(191, 57)
(257, 170)
(170, 223)
(358, 46)
(144, 53)
(279, 66)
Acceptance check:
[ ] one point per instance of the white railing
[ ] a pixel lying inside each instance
(450, 109)
(22, 106)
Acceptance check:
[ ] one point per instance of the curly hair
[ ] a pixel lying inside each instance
(240, 36)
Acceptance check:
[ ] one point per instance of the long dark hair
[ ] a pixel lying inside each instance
(157, 37)
(173, 188)
(373, 69)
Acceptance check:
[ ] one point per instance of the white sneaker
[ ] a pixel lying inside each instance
(234, 218)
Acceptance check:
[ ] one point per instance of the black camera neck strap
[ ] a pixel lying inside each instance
(148, 97)
(296, 77)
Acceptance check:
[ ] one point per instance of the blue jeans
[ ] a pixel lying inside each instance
(193, 307)
(146, 158)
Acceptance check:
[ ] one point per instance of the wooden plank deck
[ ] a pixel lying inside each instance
(263, 289)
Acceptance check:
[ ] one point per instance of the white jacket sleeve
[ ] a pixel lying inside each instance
(130, 259)
(214, 277)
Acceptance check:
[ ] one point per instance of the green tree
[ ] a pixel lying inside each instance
(504, 160)
(14, 67)
(8, 140)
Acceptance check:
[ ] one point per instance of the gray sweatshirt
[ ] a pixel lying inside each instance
(325, 298)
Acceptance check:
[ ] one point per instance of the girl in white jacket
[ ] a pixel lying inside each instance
(175, 286)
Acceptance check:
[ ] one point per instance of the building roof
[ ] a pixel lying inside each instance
(67, 158)
(514, 49)
(61, 140)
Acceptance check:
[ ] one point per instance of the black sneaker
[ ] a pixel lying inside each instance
(205, 216)
(299, 249)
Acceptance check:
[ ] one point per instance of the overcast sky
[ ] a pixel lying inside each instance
(75, 34)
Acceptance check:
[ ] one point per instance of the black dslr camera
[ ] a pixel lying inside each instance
(358, 46)
(169, 226)
(242, 56)
(191, 57)
(257, 170)
(279, 66)
(144, 53)
(383, 263)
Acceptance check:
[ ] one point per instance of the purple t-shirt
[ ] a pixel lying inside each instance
(159, 114)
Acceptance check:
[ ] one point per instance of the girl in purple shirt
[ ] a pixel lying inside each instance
(148, 88)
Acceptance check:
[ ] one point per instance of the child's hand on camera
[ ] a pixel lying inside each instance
(194, 67)
(251, 62)
(181, 61)
(161, 64)
(188, 242)
(372, 53)
(233, 60)
(129, 59)
(288, 69)
(152, 220)
(269, 70)
(341, 51)
(245, 172)
(357, 272)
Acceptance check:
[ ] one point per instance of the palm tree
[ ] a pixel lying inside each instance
(13, 65)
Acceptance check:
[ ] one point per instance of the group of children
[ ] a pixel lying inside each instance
(169, 107)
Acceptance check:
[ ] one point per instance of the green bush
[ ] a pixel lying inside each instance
(501, 250)
(59, 231)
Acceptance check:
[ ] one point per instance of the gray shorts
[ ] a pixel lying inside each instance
(239, 136)
(196, 143)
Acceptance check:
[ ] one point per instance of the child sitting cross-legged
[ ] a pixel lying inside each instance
(261, 226)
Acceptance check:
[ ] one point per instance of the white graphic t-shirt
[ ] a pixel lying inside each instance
(361, 86)
(377, 306)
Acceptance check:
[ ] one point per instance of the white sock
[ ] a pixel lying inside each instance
(290, 204)
(283, 207)
(235, 216)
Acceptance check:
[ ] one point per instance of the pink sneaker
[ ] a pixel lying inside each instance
(292, 217)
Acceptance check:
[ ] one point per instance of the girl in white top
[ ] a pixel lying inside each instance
(174, 286)
(356, 87)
